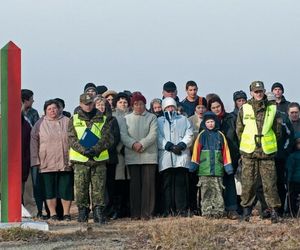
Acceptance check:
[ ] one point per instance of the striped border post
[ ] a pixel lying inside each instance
(11, 165)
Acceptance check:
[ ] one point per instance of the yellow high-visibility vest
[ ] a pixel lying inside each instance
(80, 127)
(268, 137)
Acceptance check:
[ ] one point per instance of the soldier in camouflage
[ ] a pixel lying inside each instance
(89, 162)
(258, 131)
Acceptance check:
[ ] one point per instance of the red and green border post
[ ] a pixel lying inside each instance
(11, 165)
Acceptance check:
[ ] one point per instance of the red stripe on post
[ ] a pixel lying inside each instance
(14, 132)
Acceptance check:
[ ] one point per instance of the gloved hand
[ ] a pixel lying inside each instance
(193, 167)
(169, 146)
(176, 150)
(228, 169)
(90, 153)
(181, 145)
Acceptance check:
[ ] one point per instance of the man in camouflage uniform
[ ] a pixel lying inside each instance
(258, 131)
(89, 160)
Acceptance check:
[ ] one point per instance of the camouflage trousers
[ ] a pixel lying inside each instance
(86, 178)
(211, 189)
(254, 173)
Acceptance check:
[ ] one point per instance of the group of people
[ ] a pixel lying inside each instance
(119, 159)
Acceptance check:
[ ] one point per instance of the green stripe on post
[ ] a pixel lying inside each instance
(4, 139)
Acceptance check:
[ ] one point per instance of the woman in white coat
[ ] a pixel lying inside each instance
(175, 136)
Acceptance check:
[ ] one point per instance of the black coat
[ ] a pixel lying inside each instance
(228, 128)
(115, 131)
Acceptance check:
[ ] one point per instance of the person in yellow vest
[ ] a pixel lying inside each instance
(258, 131)
(88, 153)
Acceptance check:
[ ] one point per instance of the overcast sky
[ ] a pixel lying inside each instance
(140, 45)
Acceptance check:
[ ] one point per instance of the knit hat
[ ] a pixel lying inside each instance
(169, 87)
(202, 101)
(270, 96)
(137, 97)
(239, 95)
(210, 115)
(101, 89)
(89, 86)
(277, 85)
(257, 85)
(168, 101)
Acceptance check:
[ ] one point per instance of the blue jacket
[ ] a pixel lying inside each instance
(177, 131)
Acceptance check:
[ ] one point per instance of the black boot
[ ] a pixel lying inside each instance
(98, 214)
(117, 208)
(274, 216)
(246, 214)
(83, 214)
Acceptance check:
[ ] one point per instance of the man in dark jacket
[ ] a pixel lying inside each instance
(190, 102)
(284, 148)
(294, 112)
(89, 158)
(293, 176)
(281, 102)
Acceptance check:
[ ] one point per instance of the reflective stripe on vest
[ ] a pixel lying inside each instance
(268, 138)
(80, 127)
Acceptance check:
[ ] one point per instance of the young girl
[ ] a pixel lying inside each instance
(211, 157)
(293, 174)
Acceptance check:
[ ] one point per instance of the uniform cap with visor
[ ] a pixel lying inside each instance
(85, 99)
(257, 86)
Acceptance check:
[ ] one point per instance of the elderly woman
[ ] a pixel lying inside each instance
(227, 122)
(139, 135)
(155, 107)
(49, 151)
(175, 136)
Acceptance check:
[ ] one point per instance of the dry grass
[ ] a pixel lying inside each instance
(168, 233)
(200, 233)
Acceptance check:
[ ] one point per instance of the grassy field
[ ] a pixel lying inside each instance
(166, 233)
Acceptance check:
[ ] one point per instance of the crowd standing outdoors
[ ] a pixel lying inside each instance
(119, 159)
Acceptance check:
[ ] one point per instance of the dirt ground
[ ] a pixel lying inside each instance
(160, 233)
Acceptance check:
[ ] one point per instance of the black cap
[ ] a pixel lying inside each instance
(277, 85)
(88, 86)
(169, 87)
(239, 95)
(101, 89)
